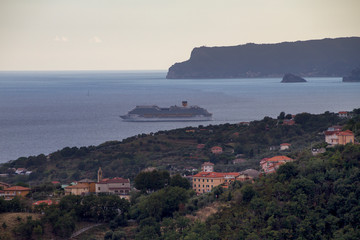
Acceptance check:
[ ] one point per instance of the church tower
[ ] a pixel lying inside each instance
(100, 175)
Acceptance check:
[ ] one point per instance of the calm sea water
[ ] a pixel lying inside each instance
(41, 112)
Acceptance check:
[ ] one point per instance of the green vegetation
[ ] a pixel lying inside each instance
(176, 150)
(314, 197)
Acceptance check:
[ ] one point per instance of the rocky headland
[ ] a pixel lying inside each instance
(313, 58)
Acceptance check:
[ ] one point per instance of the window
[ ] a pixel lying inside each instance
(203, 180)
(211, 180)
(207, 180)
(99, 188)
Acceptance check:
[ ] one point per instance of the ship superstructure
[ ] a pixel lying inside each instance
(173, 113)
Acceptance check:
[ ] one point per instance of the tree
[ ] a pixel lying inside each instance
(151, 181)
(178, 181)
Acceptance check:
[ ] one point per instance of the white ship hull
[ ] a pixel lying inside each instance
(165, 119)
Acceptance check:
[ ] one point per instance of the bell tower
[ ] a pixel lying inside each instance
(100, 175)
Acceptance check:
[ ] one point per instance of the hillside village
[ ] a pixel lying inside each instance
(212, 158)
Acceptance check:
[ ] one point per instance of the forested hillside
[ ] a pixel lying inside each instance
(176, 150)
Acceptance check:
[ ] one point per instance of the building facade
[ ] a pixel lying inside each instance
(15, 191)
(78, 189)
(207, 167)
(117, 186)
(206, 181)
(270, 165)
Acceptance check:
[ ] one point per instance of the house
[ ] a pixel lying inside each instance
(206, 181)
(284, 146)
(90, 183)
(334, 136)
(270, 165)
(248, 174)
(343, 114)
(78, 189)
(216, 150)
(207, 167)
(117, 186)
(346, 137)
(16, 191)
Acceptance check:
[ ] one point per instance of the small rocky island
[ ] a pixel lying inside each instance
(291, 78)
(353, 77)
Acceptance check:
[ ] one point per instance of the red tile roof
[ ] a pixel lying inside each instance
(17, 188)
(114, 180)
(215, 174)
(285, 144)
(79, 185)
(346, 133)
(208, 164)
(48, 202)
(279, 158)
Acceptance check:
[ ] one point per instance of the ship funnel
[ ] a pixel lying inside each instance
(184, 103)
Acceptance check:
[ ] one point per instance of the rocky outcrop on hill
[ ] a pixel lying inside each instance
(291, 78)
(313, 58)
(353, 77)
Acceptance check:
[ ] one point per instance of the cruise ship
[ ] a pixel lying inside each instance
(172, 114)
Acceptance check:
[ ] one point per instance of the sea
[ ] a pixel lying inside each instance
(42, 112)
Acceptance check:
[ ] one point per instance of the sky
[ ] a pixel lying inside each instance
(154, 34)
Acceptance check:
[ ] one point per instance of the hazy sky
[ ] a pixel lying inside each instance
(154, 34)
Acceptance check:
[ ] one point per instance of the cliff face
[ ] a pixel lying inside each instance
(313, 58)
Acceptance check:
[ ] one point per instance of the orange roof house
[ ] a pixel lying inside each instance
(14, 191)
(343, 114)
(346, 137)
(206, 181)
(270, 165)
(334, 136)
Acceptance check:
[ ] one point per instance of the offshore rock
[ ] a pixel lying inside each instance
(291, 78)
